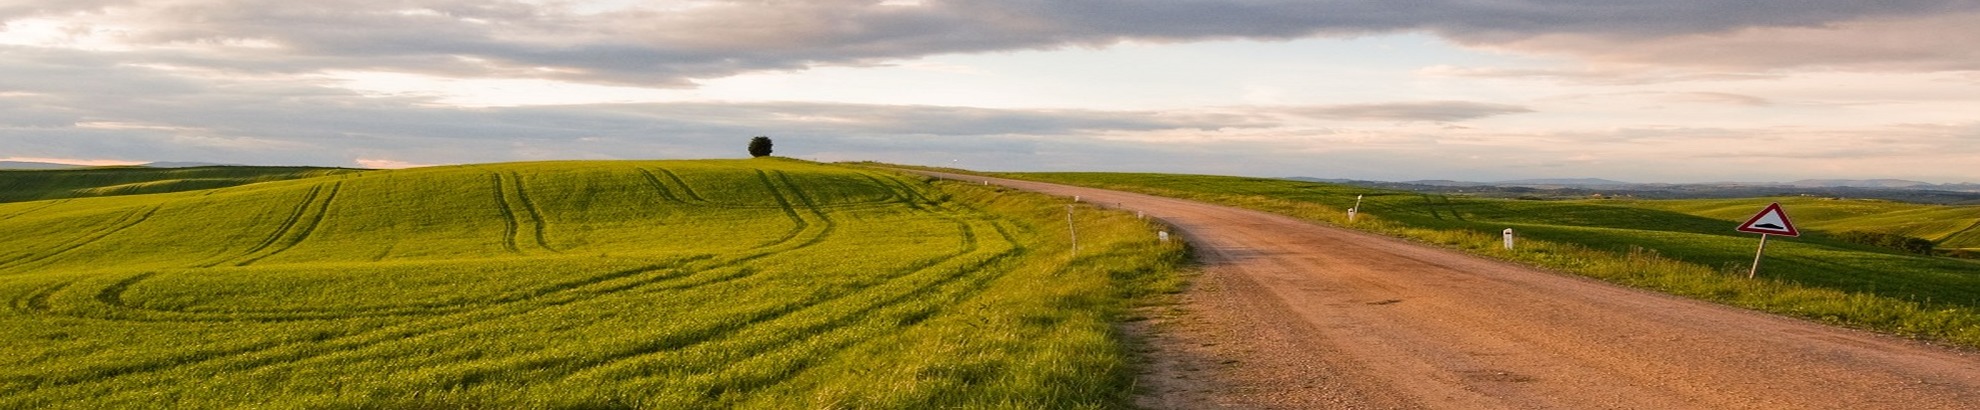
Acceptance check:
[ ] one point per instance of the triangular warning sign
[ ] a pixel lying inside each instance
(1771, 221)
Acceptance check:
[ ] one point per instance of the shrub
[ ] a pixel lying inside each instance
(759, 146)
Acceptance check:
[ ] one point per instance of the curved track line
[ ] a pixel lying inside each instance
(288, 223)
(30, 255)
(685, 188)
(33, 209)
(514, 226)
(654, 181)
(724, 331)
(1969, 228)
(85, 241)
(322, 211)
(900, 196)
(789, 211)
(535, 214)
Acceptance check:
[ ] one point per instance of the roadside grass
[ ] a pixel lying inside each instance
(1685, 248)
(764, 283)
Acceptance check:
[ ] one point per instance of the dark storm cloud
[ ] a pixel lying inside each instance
(658, 47)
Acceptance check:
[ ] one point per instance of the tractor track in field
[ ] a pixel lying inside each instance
(513, 225)
(685, 188)
(1292, 314)
(34, 209)
(792, 336)
(1969, 228)
(303, 230)
(971, 277)
(537, 222)
(658, 186)
(128, 220)
(281, 230)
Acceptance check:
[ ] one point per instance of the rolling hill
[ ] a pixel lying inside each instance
(763, 283)
(34, 185)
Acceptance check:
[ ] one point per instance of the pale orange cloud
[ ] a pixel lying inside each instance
(387, 163)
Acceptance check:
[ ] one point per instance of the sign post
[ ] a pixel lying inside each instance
(1509, 239)
(1770, 221)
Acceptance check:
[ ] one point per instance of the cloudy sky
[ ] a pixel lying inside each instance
(1644, 91)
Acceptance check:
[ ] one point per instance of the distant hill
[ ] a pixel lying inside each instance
(1860, 183)
(1563, 182)
(1573, 188)
(36, 165)
(170, 164)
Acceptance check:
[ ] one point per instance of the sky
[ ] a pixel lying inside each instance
(1480, 90)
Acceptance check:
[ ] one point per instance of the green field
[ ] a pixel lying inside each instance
(764, 283)
(1686, 247)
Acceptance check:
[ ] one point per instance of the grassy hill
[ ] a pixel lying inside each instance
(760, 283)
(34, 185)
(1686, 247)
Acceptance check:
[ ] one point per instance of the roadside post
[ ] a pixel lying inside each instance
(1355, 209)
(1163, 235)
(1770, 221)
(1072, 232)
(1509, 239)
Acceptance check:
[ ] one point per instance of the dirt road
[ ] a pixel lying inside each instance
(1291, 314)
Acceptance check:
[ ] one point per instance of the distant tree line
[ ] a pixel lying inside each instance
(1886, 240)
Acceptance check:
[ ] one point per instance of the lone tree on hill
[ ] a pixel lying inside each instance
(759, 146)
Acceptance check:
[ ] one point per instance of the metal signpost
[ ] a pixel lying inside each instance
(1770, 221)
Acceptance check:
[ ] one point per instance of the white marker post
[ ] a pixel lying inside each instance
(1509, 239)
(1070, 231)
(1163, 235)
(1770, 221)
(1356, 209)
